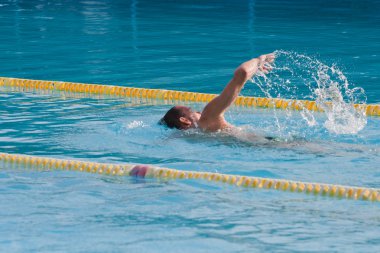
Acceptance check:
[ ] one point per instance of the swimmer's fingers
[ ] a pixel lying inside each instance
(265, 68)
(265, 71)
(268, 66)
(266, 59)
(261, 65)
(270, 58)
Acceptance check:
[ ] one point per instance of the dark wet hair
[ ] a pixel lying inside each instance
(171, 118)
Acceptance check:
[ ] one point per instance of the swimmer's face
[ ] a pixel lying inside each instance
(192, 116)
(181, 117)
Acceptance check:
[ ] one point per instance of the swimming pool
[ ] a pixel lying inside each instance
(134, 44)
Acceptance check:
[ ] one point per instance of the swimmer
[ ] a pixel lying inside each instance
(211, 119)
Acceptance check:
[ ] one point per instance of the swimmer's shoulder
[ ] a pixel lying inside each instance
(215, 125)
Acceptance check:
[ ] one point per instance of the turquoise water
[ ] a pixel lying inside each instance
(183, 45)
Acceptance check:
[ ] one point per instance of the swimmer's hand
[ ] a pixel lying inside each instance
(265, 61)
(249, 68)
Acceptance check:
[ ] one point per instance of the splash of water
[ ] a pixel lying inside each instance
(135, 124)
(297, 76)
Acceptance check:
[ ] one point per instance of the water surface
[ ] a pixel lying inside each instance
(182, 45)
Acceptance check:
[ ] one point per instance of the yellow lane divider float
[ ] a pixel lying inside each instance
(169, 95)
(329, 190)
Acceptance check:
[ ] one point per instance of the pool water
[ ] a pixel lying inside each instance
(193, 46)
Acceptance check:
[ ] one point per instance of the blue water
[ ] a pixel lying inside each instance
(182, 45)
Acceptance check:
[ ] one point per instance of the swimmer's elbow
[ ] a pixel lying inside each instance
(246, 70)
(241, 74)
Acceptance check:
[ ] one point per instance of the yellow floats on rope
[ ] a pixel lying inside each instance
(169, 95)
(44, 163)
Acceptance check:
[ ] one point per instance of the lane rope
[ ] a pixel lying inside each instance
(169, 95)
(16, 161)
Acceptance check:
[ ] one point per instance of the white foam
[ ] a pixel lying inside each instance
(136, 124)
(297, 76)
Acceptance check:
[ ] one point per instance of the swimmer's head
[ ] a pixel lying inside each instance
(181, 117)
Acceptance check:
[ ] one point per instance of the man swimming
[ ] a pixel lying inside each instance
(212, 119)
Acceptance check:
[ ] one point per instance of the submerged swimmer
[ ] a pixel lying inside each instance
(212, 119)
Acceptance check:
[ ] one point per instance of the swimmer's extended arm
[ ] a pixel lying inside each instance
(216, 108)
